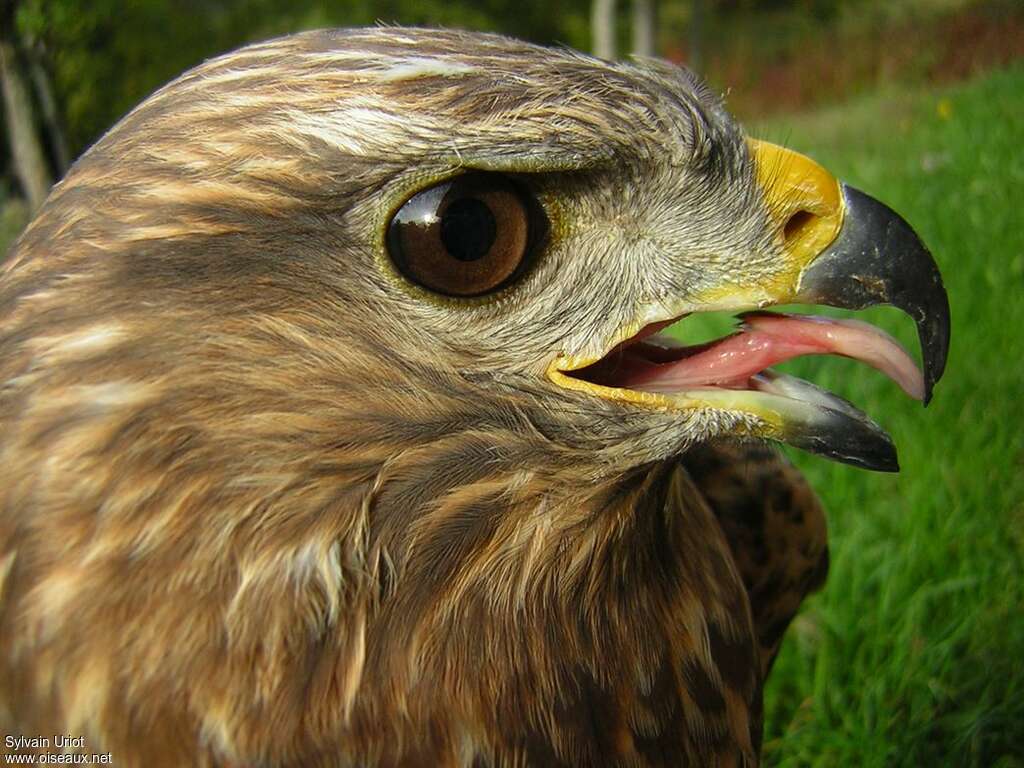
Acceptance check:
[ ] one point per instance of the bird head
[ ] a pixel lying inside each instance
(374, 240)
(314, 317)
(404, 209)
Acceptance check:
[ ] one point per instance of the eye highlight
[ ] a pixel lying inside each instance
(466, 236)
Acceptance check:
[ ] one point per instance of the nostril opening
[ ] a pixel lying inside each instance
(798, 223)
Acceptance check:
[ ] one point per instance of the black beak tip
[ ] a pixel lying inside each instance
(882, 457)
(849, 437)
(877, 258)
(888, 464)
(933, 332)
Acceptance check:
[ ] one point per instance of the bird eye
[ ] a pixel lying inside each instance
(466, 236)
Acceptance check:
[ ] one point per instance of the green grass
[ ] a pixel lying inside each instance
(914, 653)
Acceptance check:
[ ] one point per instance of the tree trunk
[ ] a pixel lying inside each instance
(51, 117)
(644, 23)
(27, 156)
(602, 28)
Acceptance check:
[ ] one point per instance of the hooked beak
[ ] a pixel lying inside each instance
(841, 248)
(878, 259)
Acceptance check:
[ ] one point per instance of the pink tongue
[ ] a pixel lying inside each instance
(768, 338)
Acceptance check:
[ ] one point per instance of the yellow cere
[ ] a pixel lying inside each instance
(805, 202)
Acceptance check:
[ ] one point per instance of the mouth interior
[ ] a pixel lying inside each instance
(650, 362)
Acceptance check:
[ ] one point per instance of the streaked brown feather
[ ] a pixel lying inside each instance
(775, 527)
(260, 505)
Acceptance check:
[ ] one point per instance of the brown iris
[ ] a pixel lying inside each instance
(466, 236)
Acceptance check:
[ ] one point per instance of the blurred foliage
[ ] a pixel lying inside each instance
(107, 55)
(13, 217)
(774, 56)
(104, 56)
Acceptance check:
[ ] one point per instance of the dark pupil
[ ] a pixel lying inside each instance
(468, 229)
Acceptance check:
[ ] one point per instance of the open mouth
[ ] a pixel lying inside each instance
(838, 247)
(734, 374)
(650, 362)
